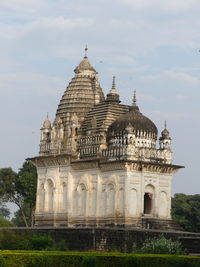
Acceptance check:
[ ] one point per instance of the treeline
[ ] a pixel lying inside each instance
(20, 188)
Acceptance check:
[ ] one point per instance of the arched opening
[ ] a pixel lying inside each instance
(147, 203)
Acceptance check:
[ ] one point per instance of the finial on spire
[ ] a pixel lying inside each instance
(134, 98)
(47, 115)
(165, 124)
(113, 83)
(86, 49)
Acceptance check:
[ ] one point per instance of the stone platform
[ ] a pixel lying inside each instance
(108, 239)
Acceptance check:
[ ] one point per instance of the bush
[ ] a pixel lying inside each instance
(40, 261)
(89, 261)
(58, 246)
(161, 245)
(41, 242)
(5, 223)
(2, 261)
(180, 262)
(11, 241)
(131, 261)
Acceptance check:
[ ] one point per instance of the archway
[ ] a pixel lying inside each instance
(147, 203)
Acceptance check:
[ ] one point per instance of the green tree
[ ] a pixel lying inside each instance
(4, 211)
(186, 211)
(27, 186)
(20, 188)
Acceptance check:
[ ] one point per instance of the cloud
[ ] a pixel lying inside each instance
(167, 5)
(172, 78)
(30, 83)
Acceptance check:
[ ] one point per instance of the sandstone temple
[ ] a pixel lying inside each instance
(101, 163)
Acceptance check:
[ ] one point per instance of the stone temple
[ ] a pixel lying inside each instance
(99, 163)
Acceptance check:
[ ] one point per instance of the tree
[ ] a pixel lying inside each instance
(186, 211)
(20, 189)
(27, 186)
(4, 211)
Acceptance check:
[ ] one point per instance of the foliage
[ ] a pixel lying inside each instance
(2, 261)
(40, 261)
(181, 262)
(186, 211)
(5, 223)
(9, 240)
(132, 261)
(161, 245)
(81, 259)
(89, 261)
(4, 211)
(41, 242)
(20, 188)
(7, 184)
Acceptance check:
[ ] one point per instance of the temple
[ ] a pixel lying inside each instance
(100, 163)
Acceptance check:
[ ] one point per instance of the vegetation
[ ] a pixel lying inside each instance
(5, 223)
(9, 240)
(4, 211)
(186, 211)
(20, 188)
(92, 259)
(161, 245)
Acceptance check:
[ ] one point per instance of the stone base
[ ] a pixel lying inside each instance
(60, 220)
(106, 239)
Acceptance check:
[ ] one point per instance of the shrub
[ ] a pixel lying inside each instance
(89, 261)
(58, 246)
(161, 245)
(131, 261)
(5, 223)
(180, 262)
(41, 242)
(11, 241)
(2, 261)
(40, 261)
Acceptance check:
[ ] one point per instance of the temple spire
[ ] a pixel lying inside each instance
(113, 83)
(86, 51)
(134, 98)
(113, 90)
(113, 95)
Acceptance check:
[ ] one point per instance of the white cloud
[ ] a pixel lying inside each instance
(173, 78)
(170, 5)
(33, 83)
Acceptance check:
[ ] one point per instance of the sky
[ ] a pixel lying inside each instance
(151, 46)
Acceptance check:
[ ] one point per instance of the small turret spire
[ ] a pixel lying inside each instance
(113, 83)
(165, 124)
(113, 90)
(86, 49)
(47, 115)
(134, 98)
(113, 95)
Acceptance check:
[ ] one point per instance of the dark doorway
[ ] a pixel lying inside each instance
(147, 203)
